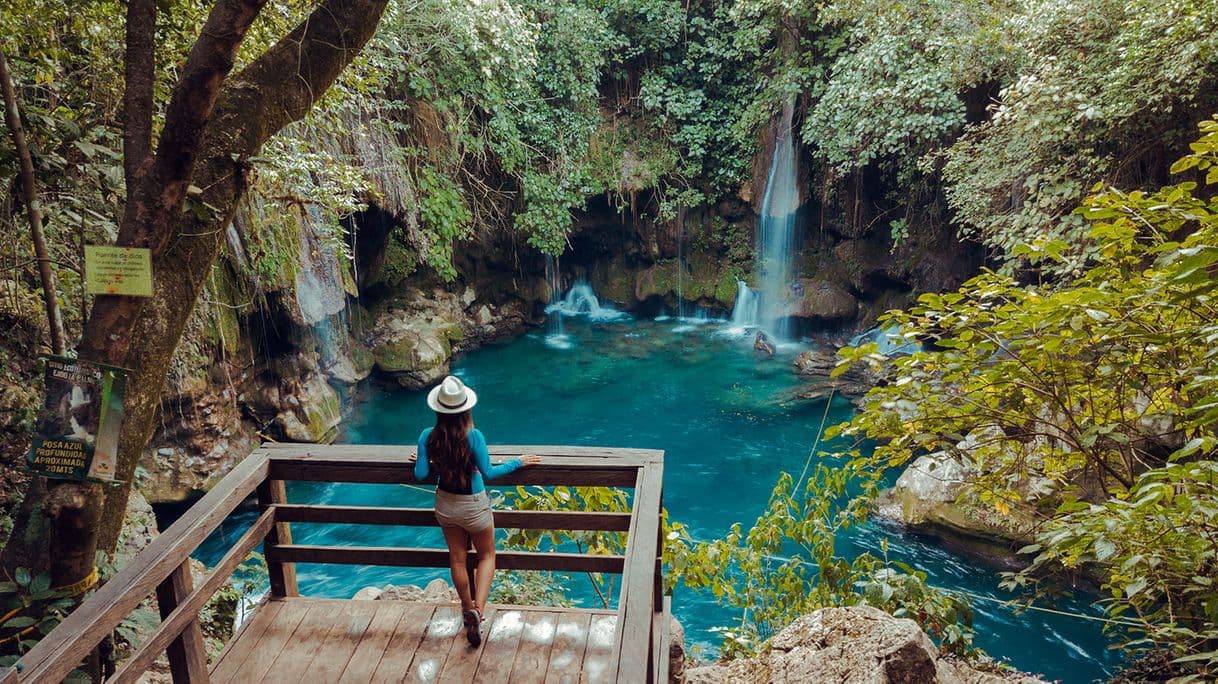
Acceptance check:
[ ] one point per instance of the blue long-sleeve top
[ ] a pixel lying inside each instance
(482, 463)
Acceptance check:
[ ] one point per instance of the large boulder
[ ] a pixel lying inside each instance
(814, 367)
(412, 336)
(823, 300)
(859, 644)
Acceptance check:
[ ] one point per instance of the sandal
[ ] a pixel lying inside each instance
(473, 626)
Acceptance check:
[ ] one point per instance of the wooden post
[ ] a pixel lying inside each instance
(187, 653)
(282, 575)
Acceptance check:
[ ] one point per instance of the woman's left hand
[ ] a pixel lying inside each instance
(530, 459)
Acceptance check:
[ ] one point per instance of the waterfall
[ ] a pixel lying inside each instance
(319, 288)
(776, 236)
(582, 301)
(555, 280)
(888, 340)
(680, 261)
(319, 285)
(744, 312)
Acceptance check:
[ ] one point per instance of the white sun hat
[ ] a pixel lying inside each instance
(451, 396)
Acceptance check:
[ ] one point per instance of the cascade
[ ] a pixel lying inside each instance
(555, 280)
(776, 234)
(582, 301)
(319, 286)
(680, 261)
(888, 340)
(744, 312)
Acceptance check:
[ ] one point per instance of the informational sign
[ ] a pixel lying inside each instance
(77, 433)
(118, 270)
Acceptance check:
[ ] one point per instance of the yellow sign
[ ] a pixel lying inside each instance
(118, 270)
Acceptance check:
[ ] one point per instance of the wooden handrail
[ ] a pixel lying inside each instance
(67, 645)
(426, 517)
(162, 565)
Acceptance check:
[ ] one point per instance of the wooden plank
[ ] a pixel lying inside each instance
(416, 617)
(662, 628)
(429, 659)
(377, 472)
(400, 452)
(59, 652)
(567, 654)
(462, 662)
(633, 641)
(438, 558)
(526, 520)
(274, 639)
(8, 675)
(371, 648)
(234, 654)
(310, 640)
(499, 650)
(185, 611)
(536, 642)
(282, 575)
(187, 653)
(339, 645)
(599, 656)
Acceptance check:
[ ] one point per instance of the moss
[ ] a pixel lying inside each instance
(726, 288)
(322, 418)
(454, 333)
(396, 356)
(615, 282)
(399, 264)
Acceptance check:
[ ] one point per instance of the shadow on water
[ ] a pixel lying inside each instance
(703, 396)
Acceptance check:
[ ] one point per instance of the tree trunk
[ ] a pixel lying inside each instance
(29, 194)
(276, 89)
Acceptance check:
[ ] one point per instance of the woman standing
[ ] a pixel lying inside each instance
(454, 453)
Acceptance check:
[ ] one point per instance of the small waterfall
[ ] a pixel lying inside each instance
(776, 235)
(888, 340)
(319, 288)
(582, 301)
(746, 308)
(680, 261)
(555, 280)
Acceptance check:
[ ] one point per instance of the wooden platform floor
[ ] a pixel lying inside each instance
(316, 641)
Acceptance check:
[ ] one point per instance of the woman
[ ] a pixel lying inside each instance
(455, 453)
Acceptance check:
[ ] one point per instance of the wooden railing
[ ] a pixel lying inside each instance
(640, 651)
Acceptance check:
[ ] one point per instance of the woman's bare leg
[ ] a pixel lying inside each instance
(484, 544)
(458, 551)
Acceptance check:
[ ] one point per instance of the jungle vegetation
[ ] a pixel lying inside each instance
(1085, 351)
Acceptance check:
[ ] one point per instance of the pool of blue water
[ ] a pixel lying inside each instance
(727, 423)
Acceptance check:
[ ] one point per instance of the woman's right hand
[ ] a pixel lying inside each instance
(529, 459)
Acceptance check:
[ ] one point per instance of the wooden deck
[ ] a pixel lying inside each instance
(310, 641)
(324, 641)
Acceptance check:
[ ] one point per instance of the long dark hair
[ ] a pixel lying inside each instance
(448, 449)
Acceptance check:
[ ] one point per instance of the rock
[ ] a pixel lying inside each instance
(855, 644)
(928, 497)
(869, 266)
(436, 591)
(410, 592)
(139, 526)
(676, 650)
(818, 299)
(764, 344)
(412, 336)
(814, 366)
(929, 481)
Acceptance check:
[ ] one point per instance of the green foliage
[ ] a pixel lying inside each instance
(29, 610)
(785, 565)
(1090, 404)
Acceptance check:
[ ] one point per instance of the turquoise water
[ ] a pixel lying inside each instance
(727, 425)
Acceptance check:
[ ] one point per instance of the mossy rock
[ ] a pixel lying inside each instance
(398, 355)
